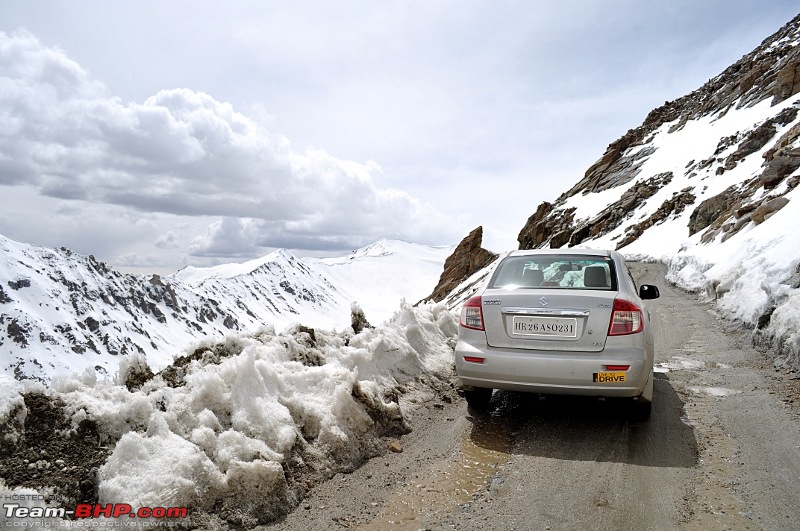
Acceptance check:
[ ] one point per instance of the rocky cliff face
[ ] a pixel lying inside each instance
(757, 155)
(467, 258)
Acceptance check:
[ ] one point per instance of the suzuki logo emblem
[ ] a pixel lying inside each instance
(544, 301)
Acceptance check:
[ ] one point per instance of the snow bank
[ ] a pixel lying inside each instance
(754, 278)
(231, 433)
(10, 398)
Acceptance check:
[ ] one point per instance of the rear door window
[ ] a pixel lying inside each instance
(556, 272)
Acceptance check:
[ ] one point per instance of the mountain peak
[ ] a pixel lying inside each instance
(382, 247)
(197, 275)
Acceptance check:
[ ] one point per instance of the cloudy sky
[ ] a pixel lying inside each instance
(158, 134)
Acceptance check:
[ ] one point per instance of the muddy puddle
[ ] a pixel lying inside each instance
(448, 485)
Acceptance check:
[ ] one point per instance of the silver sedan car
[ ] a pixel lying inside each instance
(558, 321)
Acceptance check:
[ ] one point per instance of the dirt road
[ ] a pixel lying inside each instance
(721, 451)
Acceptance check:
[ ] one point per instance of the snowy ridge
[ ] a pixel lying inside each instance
(393, 266)
(194, 276)
(747, 259)
(382, 247)
(681, 153)
(64, 313)
(709, 185)
(277, 289)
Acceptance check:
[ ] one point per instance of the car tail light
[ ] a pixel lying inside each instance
(626, 318)
(471, 314)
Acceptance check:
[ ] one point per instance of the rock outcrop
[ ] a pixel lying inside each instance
(542, 226)
(558, 226)
(467, 259)
(712, 208)
(672, 206)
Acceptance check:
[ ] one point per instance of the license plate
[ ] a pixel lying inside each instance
(544, 326)
(608, 377)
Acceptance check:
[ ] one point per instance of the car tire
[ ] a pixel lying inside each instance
(478, 398)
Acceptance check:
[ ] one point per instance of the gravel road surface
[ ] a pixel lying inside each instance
(721, 451)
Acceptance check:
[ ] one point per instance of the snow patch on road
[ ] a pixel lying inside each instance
(718, 392)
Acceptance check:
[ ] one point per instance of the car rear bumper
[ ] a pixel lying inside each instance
(571, 373)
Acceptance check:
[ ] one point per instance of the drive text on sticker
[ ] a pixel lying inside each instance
(608, 377)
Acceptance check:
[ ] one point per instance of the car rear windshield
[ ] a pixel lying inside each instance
(556, 272)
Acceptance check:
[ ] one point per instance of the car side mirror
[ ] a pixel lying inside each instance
(647, 291)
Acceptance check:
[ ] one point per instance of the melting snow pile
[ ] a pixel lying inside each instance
(237, 429)
(755, 279)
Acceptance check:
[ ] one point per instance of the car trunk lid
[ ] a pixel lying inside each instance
(542, 319)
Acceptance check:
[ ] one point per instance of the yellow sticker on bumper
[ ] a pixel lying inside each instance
(608, 377)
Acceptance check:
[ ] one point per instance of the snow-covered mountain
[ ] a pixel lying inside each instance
(709, 184)
(387, 264)
(61, 312)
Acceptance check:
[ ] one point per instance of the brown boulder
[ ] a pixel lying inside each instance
(760, 136)
(784, 143)
(396, 447)
(767, 208)
(780, 167)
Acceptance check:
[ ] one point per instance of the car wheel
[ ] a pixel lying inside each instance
(478, 398)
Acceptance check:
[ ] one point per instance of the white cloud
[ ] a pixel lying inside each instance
(184, 153)
(167, 241)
